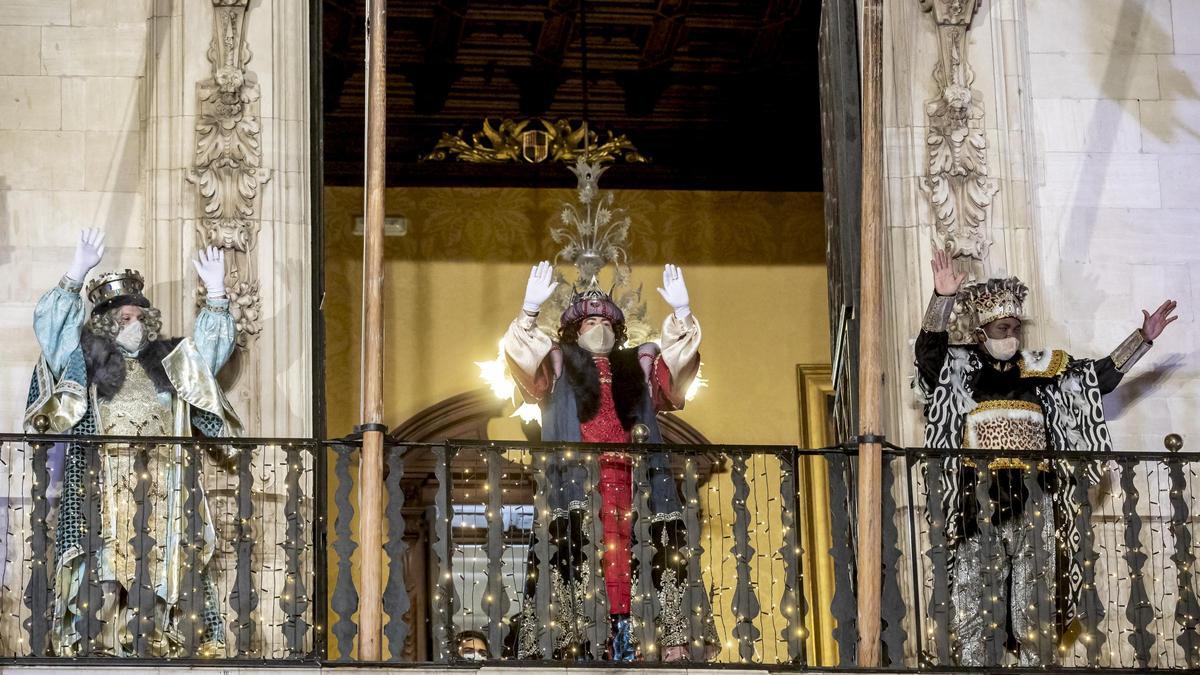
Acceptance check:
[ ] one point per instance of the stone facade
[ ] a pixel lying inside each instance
(107, 111)
(1115, 93)
(1089, 115)
(99, 107)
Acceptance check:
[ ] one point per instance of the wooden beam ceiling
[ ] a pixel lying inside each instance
(721, 94)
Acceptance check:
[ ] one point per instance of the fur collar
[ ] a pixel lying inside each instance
(106, 363)
(628, 388)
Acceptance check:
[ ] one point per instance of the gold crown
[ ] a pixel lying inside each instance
(114, 284)
(996, 299)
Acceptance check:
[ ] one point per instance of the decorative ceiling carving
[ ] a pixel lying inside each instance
(535, 141)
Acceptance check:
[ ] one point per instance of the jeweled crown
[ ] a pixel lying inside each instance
(591, 301)
(115, 284)
(996, 299)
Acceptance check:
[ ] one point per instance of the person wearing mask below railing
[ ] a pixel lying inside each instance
(592, 388)
(109, 372)
(992, 395)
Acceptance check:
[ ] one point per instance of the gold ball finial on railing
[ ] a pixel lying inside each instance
(41, 423)
(1173, 442)
(639, 433)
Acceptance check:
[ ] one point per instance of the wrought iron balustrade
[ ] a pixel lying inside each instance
(762, 544)
(1098, 551)
(479, 545)
(159, 548)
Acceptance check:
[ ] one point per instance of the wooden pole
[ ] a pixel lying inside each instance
(370, 469)
(870, 324)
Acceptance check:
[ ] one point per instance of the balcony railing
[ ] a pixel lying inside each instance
(159, 548)
(524, 553)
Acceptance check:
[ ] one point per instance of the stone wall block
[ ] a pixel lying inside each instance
(109, 51)
(1186, 20)
(39, 160)
(107, 12)
(30, 103)
(22, 50)
(1170, 127)
(905, 151)
(112, 161)
(1179, 76)
(101, 103)
(35, 12)
(1082, 125)
(1092, 76)
(1100, 26)
(1179, 176)
(1120, 180)
(46, 218)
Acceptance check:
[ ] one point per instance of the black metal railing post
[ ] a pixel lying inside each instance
(38, 589)
(396, 602)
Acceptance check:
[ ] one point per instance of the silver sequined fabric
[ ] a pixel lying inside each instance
(1009, 552)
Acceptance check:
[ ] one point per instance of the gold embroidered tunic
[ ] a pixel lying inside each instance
(137, 410)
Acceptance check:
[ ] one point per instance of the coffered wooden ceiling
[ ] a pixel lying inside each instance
(721, 94)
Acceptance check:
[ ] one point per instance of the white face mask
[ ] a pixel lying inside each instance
(132, 336)
(1003, 349)
(599, 340)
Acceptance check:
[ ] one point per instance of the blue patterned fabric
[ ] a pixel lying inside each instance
(215, 334)
(57, 320)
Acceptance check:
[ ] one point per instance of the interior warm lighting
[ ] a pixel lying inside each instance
(495, 374)
(697, 384)
(528, 412)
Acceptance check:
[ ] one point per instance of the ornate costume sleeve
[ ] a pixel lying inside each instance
(528, 349)
(934, 339)
(215, 334)
(57, 320)
(58, 390)
(680, 357)
(1108, 376)
(931, 351)
(1113, 367)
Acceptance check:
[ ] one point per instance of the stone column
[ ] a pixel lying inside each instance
(226, 162)
(956, 165)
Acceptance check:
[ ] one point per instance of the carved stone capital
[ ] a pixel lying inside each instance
(951, 12)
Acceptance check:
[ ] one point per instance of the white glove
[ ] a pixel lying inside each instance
(540, 286)
(88, 253)
(210, 265)
(675, 292)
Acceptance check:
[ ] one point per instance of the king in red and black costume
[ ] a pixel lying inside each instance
(593, 390)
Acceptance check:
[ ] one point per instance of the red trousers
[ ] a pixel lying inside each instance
(616, 516)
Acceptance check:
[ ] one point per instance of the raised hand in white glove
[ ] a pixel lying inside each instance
(210, 265)
(88, 252)
(675, 292)
(540, 286)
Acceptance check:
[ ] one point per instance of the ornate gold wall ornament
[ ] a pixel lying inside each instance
(957, 184)
(228, 170)
(534, 141)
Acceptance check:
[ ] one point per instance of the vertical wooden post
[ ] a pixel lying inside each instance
(870, 373)
(370, 469)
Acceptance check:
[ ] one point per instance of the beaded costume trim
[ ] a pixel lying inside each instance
(1042, 365)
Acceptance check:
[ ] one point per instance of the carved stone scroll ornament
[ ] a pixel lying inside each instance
(228, 171)
(956, 182)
